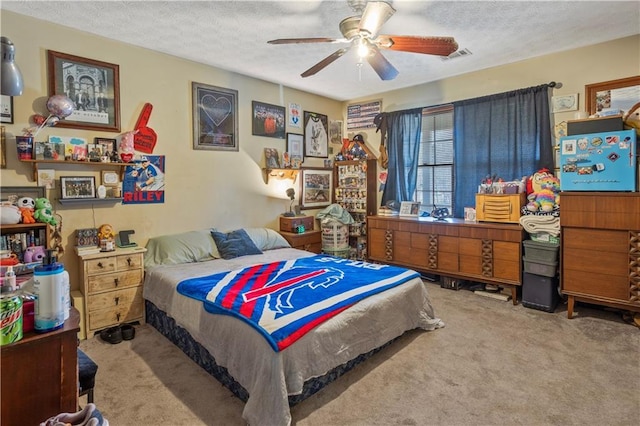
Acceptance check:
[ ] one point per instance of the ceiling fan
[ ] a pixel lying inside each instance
(361, 32)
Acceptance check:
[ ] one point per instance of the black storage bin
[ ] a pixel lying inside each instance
(540, 292)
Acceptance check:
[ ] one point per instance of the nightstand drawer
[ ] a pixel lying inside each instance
(116, 298)
(107, 317)
(102, 265)
(113, 281)
(304, 240)
(133, 261)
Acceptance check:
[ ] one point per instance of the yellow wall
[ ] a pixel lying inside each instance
(227, 189)
(203, 188)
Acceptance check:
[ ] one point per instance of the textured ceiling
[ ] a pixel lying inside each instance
(233, 35)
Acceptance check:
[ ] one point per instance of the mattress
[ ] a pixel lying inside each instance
(270, 377)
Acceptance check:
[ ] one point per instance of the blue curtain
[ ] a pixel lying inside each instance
(507, 135)
(403, 143)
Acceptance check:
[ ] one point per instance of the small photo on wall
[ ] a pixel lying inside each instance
(268, 120)
(271, 158)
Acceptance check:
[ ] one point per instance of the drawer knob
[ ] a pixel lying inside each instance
(129, 261)
(116, 300)
(118, 316)
(100, 265)
(116, 282)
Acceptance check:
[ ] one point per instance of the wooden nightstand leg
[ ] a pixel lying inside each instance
(514, 294)
(570, 302)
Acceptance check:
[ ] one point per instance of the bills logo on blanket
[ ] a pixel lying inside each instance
(284, 300)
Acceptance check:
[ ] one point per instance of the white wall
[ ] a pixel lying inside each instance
(227, 189)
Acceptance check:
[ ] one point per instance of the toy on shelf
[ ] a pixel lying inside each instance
(27, 206)
(543, 192)
(44, 212)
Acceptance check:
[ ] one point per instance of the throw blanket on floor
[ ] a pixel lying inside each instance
(284, 300)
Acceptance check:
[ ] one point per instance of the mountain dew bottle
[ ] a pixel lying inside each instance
(11, 315)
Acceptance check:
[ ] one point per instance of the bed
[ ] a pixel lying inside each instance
(269, 378)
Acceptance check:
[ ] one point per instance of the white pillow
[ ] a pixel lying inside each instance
(266, 238)
(185, 247)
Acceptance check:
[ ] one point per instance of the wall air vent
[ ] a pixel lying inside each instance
(457, 54)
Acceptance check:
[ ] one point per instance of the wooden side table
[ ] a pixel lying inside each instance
(40, 375)
(309, 240)
(112, 288)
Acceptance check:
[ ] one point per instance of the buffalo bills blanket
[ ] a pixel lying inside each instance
(284, 300)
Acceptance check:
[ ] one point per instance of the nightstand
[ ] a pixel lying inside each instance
(309, 240)
(112, 287)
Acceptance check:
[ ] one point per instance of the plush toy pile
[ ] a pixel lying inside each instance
(543, 192)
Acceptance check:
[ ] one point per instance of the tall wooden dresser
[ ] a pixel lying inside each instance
(601, 249)
(112, 288)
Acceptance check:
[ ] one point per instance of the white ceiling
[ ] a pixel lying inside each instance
(233, 35)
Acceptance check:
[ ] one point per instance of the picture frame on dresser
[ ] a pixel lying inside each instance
(93, 86)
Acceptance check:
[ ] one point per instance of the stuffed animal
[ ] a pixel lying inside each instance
(44, 212)
(27, 206)
(9, 214)
(543, 190)
(34, 254)
(125, 149)
(106, 232)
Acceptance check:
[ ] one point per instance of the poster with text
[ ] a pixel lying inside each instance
(143, 181)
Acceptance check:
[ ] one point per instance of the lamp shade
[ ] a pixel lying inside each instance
(10, 75)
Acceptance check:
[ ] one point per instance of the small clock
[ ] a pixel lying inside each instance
(110, 178)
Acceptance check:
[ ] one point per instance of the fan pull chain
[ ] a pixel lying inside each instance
(359, 64)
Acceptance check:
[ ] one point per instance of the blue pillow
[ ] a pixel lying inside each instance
(234, 244)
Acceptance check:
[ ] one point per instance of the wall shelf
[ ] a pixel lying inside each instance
(34, 165)
(281, 174)
(72, 201)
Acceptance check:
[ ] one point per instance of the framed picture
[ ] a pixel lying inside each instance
(612, 95)
(295, 145)
(268, 120)
(271, 158)
(78, 187)
(87, 237)
(316, 135)
(6, 109)
(109, 149)
(361, 115)
(93, 86)
(564, 103)
(317, 187)
(95, 151)
(335, 131)
(215, 118)
(409, 209)
(110, 178)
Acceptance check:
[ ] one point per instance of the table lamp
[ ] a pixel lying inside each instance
(11, 77)
(291, 193)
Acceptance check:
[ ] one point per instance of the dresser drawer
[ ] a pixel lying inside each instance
(114, 299)
(114, 280)
(99, 266)
(133, 261)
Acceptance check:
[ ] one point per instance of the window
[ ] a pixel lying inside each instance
(435, 168)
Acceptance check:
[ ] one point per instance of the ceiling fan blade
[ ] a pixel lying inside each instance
(323, 63)
(306, 40)
(375, 14)
(441, 46)
(381, 66)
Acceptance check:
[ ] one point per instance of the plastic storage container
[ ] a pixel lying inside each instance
(540, 267)
(536, 250)
(539, 292)
(335, 236)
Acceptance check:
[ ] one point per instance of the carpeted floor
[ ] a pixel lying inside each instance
(493, 364)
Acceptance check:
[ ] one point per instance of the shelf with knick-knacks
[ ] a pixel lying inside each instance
(281, 174)
(34, 165)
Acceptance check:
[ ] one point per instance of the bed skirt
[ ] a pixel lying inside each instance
(194, 350)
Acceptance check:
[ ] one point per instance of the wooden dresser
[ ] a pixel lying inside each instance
(40, 375)
(478, 251)
(601, 249)
(112, 288)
